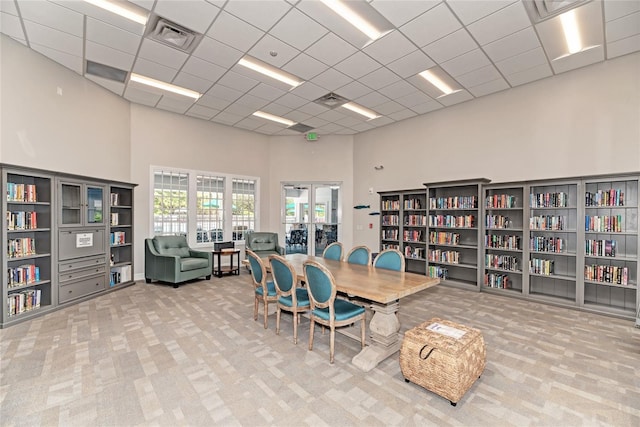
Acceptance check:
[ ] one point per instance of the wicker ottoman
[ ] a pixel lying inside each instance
(443, 357)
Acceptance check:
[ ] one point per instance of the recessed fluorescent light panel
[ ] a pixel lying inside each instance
(571, 32)
(431, 77)
(273, 118)
(353, 18)
(164, 86)
(361, 110)
(270, 71)
(124, 9)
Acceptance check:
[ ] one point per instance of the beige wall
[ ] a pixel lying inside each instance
(579, 123)
(291, 158)
(84, 131)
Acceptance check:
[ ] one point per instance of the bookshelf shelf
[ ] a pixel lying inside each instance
(120, 235)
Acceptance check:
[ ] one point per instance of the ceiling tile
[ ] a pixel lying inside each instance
(243, 110)
(11, 26)
(139, 96)
(290, 100)
(237, 81)
(402, 115)
(450, 46)
(479, 76)
(506, 21)
(309, 91)
(161, 54)
(53, 16)
(578, 60)
(213, 102)
(232, 31)
(223, 92)
(529, 75)
(455, 98)
(330, 20)
(198, 16)
(114, 37)
(115, 87)
(331, 49)
(267, 92)
(72, 62)
(202, 112)
(413, 99)
(298, 30)
(618, 9)
(192, 82)
(217, 53)
(331, 79)
(529, 59)
(357, 65)
(623, 47)
(465, 63)
(489, 87)
(249, 123)
(262, 14)
(512, 45)
(154, 70)
(389, 48)
(471, 11)
(227, 118)
(388, 108)
(304, 67)
(440, 22)
(203, 69)
(8, 7)
(332, 115)
(371, 100)
(353, 90)
(277, 109)
(53, 39)
(623, 27)
(411, 64)
(268, 44)
(178, 104)
(299, 117)
(399, 12)
(397, 90)
(101, 15)
(105, 55)
(250, 101)
(427, 107)
(380, 78)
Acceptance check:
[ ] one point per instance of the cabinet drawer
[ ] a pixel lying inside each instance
(81, 263)
(81, 273)
(81, 243)
(81, 288)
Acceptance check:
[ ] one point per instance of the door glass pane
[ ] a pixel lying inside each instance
(70, 204)
(325, 218)
(94, 205)
(296, 219)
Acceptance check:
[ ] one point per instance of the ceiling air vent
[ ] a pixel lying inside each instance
(302, 128)
(331, 100)
(540, 10)
(105, 71)
(172, 34)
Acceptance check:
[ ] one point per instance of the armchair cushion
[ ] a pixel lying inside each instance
(263, 243)
(169, 259)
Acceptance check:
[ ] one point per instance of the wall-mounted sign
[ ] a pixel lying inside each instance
(84, 240)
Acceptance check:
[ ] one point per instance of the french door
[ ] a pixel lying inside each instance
(311, 215)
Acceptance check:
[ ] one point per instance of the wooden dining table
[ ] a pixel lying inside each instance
(381, 290)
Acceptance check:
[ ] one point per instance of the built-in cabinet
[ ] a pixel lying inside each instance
(57, 239)
(570, 241)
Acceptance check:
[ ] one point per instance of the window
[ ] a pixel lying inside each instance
(209, 208)
(196, 204)
(170, 190)
(244, 207)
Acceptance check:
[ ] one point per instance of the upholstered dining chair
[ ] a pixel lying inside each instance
(333, 251)
(326, 309)
(290, 297)
(359, 255)
(390, 259)
(264, 290)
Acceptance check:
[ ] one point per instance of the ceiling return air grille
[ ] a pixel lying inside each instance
(540, 10)
(172, 34)
(331, 100)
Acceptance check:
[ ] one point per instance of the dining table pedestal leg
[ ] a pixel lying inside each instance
(384, 330)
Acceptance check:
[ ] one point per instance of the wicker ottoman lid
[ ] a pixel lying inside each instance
(441, 341)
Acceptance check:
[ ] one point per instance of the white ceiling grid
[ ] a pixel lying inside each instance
(483, 46)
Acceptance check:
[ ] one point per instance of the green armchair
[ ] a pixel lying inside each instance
(263, 243)
(169, 259)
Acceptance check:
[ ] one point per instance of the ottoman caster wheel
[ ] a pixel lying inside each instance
(453, 403)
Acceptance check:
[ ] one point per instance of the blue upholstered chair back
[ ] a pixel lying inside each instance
(257, 268)
(359, 255)
(390, 259)
(281, 273)
(319, 283)
(333, 251)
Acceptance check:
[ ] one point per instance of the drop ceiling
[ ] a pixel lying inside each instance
(481, 47)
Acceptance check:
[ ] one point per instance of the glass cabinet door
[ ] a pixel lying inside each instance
(71, 205)
(94, 213)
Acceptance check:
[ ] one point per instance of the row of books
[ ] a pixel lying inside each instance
(548, 200)
(547, 222)
(498, 221)
(444, 238)
(541, 266)
(391, 205)
(412, 235)
(114, 219)
(495, 280)
(117, 238)
(18, 248)
(415, 220)
(21, 302)
(120, 275)
(22, 220)
(611, 197)
(22, 275)
(390, 246)
(454, 202)
(451, 257)
(438, 271)
(600, 247)
(114, 199)
(413, 252)
(499, 241)
(501, 201)
(390, 220)
(605, 223)
(503, 262)
(413, 204)
(21, 192)
(607, 274)
(547, 244)
(390, 234)
(462, 221)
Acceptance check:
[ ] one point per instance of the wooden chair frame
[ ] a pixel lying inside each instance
(295, 309)
(265, 299)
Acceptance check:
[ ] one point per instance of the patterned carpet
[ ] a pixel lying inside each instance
(193, 356)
